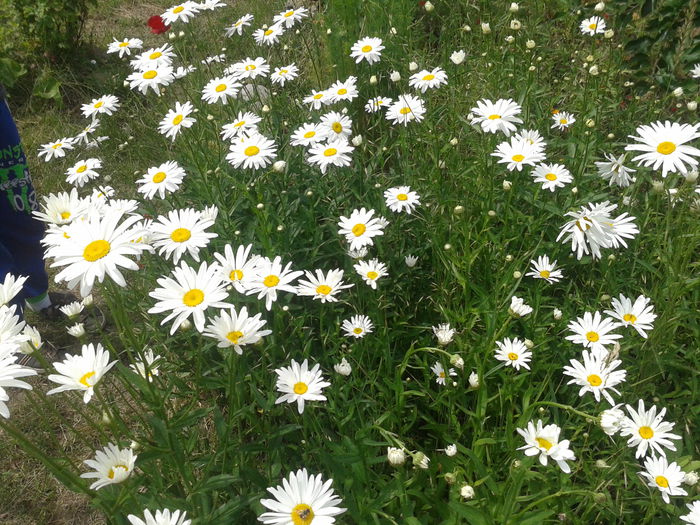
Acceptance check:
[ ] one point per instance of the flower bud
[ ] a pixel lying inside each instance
(485, 28)
(507, 185)
(447, 247)
(428, 6)
(692, 105)
(593, 70)
(356, 140)
(458, 210)
(343, 368)
(466, 29)
(412, 66)
(395, 456)
(457, 57)
(515, 25)
(395, 76)
(279, 166)
(600, 6)
(474, 380)
(467, 492)
(590, 123)
(600, 463)
(510, 39)
(420, 460)
(451, 478)
(451, 450)
(77, 330)
(690, 478)
(410, 260)
(454, 141)
(373, 80)
(517, 274)
(457, 361)
(657, 186)
(691, 176)
(530, 44)
(557, 313)
(678, 92)
(514, 7)
(609, 33)
(528, 344)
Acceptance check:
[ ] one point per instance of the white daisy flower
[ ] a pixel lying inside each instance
(693, 516)
(441, 374)
(249, 68)
(244, 124)
(317, 99)
(268, 36)
(83, 171)
(252, 152)
(663, 144)
(375, 104)
(146, 365)
(407, 108)
(695, 71)
(162, 179)
(10, 287)
(518, 153)
(337, 126)
(308, 134)
(513, 353)
(181, 231)
(161, 517)
(237, 27)
(542, 268)
(665, 476)
(371, 271)
(551, 176)
(424, 79)
(239, 270)
(154, 79)
(596, 375)
(301, 500)
(82, 371)
(611, 420)
(55, 149)
(594, 25)
(323, 287)
(220, 89)
(639, 315)
(333, 153)
(493, 117)
(614, 171)
(290, 17)
(367, 48)
(283, 74)
(10, 372)
(236, 329)
(648, 431)
(62, 208)
(298, 383)
(401, 199)
(563, 120)
(105, 105)
(544, 441)
(154, 58)
(444, 333)
(125, 46)
(359, 228)
(533, 137)
(182, 12)
(594, 332)
(357, 326)
(111, 465)
(271, 278)
(343, 91)
(176, 119)
(518, 308)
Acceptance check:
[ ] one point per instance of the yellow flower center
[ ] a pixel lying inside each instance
(357, 330)
(428, 77)
(359, 229)
(402, 197)
(330, 152)
(301, 388)
(65, 215)
(234, 336)
(250, 67)
(442, 375)
(544, 443)
(283, 71)
(661, 481)
(666, 148)
(271, 281)
(372, 275)
(550, 176)
(56, 146)
(251, 151)
(148, 75)
(593, 26)
(302, 514)
(318, 95)
(220, 88)
(194, 297)
(563, 121)
(405, 110)
(309, 134)
(337, 127)
(111, 472)
(124, 44)
(268, 32)
(494, 117)
(155, 55)
(646, 432)
(235, 275)
(178, 9)
(177, 119)
(323, 289)
(593, 337)
(545, 274)
(289, 13)
(513, 356)
(366, 49)
(84, 380)
(99, 104)
(181, 235)
(594, 380)
(239, 124)
(81, 169)
(518, 157)
(159, 177)
(96, 250)
(630, 318)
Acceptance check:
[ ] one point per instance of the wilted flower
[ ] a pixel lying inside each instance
(444, 333)
(343, 368)
(395, 456)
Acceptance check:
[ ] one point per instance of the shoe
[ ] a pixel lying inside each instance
(58, 299)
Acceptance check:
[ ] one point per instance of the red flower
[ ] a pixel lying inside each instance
(157, 25)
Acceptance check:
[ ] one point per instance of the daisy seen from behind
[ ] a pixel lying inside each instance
(367, 48)
(301, 500)
(401, 198)
(236, 329)
(513, 353)
(639, 315)
(176, 119)
(614, 171)
(298, 384)
(647, 431)
(664, 145)
(162, 179)
(111, 465)
(82, 371)
(544, 441)
(188, 293)
(596, 374)
(322, 287)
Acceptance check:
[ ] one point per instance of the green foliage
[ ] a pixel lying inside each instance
(664, 41)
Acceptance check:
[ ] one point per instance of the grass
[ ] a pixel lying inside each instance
(211, 438)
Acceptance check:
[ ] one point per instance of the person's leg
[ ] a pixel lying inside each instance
(20, 232)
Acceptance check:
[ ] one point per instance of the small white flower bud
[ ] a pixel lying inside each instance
(690, 478)
(420, 460)
(594, 70)
(657, 186)
(77, 330)
(491, 213)
(451, 450)
(328, 31)
(395, 456)
(451, 478)
(528, 344)
(428, 6)
(557, 313)
(457, 361)
(458, 210)
(530, 44)
(514, 7)
(260, 205)
(691, 176)
(343, 368)
(447, 247)
(279, 166)
(517, 275)
(410, 260)
(485, 28)
(474, 380)
(185, 325)
(373, 80)
(507, 185)
(280, 228)
(692, 105)
(574, 190)
(600, 463)
(510, 39)
(356, 140)
(457, 57)
(412, 66)
(454, 141)
(467, 492)
(678, 92)
(466, 29)
(395, 76)
(515, 25)
(393, 31)
(600, 6)
(590, 123)
(266, 109)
